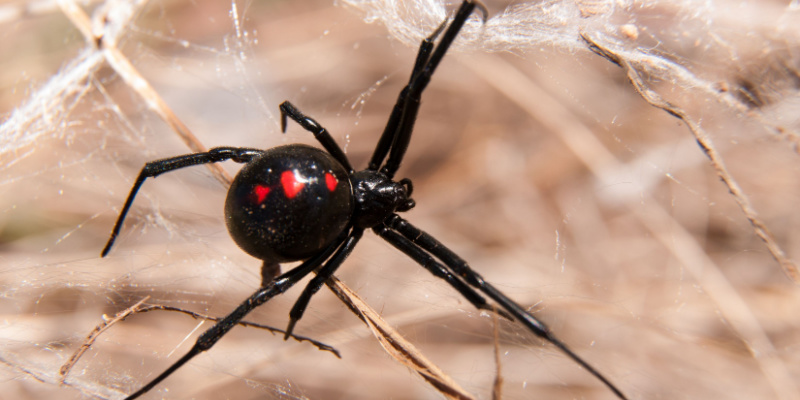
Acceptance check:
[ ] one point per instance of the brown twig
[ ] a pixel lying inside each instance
(140, 308)
(497, 386)
(97, 331)
(396, 345)
(706, 144)
(579, 138)
(299, 338)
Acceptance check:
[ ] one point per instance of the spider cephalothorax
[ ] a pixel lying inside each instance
(377, 197)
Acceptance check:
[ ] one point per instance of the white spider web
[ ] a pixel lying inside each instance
(545, 168)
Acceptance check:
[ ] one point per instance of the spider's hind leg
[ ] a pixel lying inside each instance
(212, 335)
(322, 275)
(158, 167)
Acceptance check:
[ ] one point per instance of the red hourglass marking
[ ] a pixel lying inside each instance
(331, 181)
(291, 186)
(260, 193)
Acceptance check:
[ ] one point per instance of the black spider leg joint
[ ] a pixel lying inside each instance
(397, 134)
(343, 243)
(419, 245)
(316, 283)
(158, 167)
(437, 269)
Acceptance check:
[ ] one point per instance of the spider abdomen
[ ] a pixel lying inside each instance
(288, 203)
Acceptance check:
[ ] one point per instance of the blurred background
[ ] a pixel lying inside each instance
(533, 158)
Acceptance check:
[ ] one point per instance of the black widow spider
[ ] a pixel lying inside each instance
(297, 202)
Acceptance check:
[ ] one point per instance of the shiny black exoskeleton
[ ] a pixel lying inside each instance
(297, 202)
(289, 203)
(377, 197)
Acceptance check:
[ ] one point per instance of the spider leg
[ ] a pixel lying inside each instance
(320, 133)
(269, 270)
(316, 283)
(158, 167)
(409, 99)
(388, 135)
(428, 243)
(437, 269)
(261, 296)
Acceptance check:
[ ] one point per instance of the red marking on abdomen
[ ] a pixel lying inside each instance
(291, 186)
(331, 181)
(260, 193)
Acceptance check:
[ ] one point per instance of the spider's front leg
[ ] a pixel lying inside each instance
(437, 269)
(417, 244)
(397, 134)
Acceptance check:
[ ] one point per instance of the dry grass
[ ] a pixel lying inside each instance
(546, 170)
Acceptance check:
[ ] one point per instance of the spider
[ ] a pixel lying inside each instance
(299, 203)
